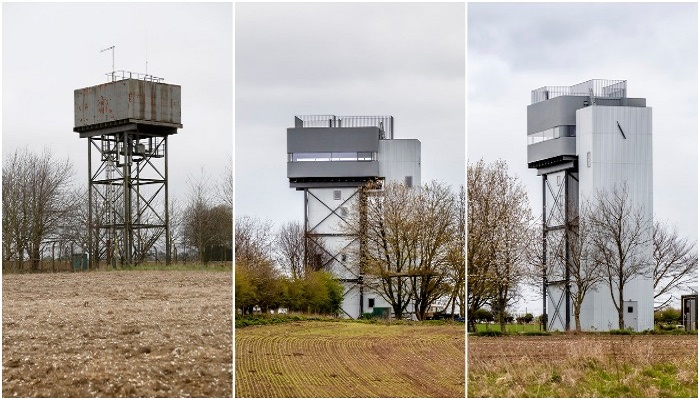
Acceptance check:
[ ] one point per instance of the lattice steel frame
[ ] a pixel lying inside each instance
(314, 237)
(559, 223)
(128, 196)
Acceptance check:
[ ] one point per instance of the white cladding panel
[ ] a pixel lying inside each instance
(325, 212)
(615, 160)
(556, 316)
(606, 160)
(399, 158)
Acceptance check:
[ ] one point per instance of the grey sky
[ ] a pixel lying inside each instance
(51, 49)
(404, 60)
(515, 48)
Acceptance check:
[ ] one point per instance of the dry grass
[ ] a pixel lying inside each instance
(583, 366)
(117, 334)
(344, 359)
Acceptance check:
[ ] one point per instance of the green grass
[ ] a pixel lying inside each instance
(617, 380)
(600, 365)
(243, 321)
(510, 328)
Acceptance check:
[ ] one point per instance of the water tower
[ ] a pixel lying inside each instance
(127, 122)
(583, 139)
(332, 159)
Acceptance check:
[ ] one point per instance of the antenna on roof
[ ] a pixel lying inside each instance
(110, 48)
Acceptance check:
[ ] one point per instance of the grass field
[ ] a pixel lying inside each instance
(345, 359)
(584, 365)
(117, 334)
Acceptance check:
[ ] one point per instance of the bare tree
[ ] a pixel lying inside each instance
(253, 241)
(224, 190)
(675, 262)
(206, 225)
(390, 252)
(404, 236)
(500, 227)
(196, 222)
(221, 240)
(433, 208)
(584, 273)
(175, 222)
(510, 263)
(482, 183)
(456, 257)
(35, 201)
(620, 236)
(289, 249)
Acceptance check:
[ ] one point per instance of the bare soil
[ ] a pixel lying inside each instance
(117, 334)
(346, 359)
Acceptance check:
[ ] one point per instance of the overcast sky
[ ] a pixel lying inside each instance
(404, 60)
(51, 49)
(515, 48)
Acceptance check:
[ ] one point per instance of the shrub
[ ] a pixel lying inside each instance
(621, 332)
(487, 333)
(483, 315)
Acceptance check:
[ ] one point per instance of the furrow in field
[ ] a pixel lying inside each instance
(345, 359)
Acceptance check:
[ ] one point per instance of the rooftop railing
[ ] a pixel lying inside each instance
(384, 123)
(121, 75)
(605, 88)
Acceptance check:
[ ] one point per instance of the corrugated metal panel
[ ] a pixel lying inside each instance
(616, 160)
(399, 158)
(128, 99)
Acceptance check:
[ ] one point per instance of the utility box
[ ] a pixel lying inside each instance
(689, 310)
(79, 262)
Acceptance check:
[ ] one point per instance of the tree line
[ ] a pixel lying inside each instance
(607, 247)
(412, 253)
(45, 215)
(272, 272)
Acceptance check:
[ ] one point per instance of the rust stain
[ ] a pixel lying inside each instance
(153, 103)
(101, 105)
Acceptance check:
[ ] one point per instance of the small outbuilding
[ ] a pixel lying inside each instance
(689, 311)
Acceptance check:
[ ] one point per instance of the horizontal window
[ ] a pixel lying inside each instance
(335, 156)
(552, 133)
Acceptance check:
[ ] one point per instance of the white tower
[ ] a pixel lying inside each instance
(585, 139)
(331, 159)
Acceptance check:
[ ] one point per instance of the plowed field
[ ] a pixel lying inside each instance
(345, 359)
(117, 334)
